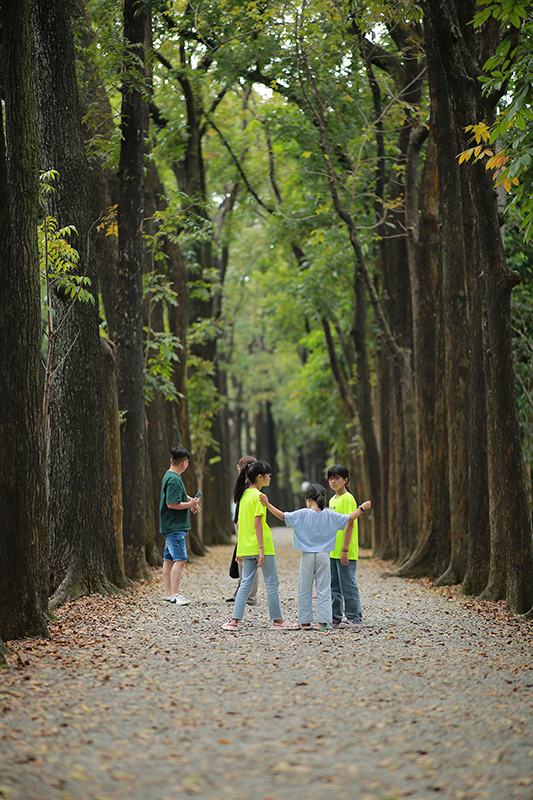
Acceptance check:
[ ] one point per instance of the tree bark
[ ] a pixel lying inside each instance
(365, 409)
(452, 255)
(112, 429)
(452, 39)
(129, 310)
(98, 127)
(24, 539)
(83, 550)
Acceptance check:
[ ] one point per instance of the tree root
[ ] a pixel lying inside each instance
(71, 589)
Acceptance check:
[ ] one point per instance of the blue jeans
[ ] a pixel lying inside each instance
(175, 547)
(344, 591)
(270, 574)
(314, 566)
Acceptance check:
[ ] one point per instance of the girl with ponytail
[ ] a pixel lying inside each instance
(255, 547)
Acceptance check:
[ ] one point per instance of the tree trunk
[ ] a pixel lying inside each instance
(383, 537)
(365, 410)
(478, 558)
(168, 422)
(83, 550)
(452, 255)
(510, 523)
(422, 227)
(98, 126)
(452, 38)
(112, 429)
(129, 321)
(24, 539)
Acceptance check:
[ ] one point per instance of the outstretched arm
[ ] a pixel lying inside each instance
(361, 509)
(266, 502)
(349, 530)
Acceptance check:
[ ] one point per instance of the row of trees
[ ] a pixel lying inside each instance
(290, 259)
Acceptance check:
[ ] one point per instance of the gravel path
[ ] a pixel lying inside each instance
(134, 699)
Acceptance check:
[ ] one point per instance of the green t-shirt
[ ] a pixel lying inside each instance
(345, 504)
(251, 507)
(173, 491)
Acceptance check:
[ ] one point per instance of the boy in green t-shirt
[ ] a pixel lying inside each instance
(344, 590)
(174, 507)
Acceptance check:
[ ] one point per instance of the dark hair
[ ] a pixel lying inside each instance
(317, 493)
(338, 470)
(248, 474)
(179, 454)
(244, 462)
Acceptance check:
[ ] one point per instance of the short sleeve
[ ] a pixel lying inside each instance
(176, 491)
(342, 519)
(291, 518)
(258, 509)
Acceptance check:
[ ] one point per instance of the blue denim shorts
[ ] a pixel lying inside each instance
(175, 549)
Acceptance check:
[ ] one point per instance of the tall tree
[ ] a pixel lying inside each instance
(477, 232)
(24, 537)
(128, 335)
(84, 556)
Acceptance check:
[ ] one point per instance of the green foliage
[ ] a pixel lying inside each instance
(161, 353)
(161, 348)
(203, 403)
(510, 71)
(57, 260)
(522, 324)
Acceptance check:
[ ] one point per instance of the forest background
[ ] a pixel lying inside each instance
(293, 229)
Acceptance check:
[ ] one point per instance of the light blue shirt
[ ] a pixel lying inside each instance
(315, 531)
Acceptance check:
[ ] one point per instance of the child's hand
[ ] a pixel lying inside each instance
(366, 505)
(263, 498)
(344, 559)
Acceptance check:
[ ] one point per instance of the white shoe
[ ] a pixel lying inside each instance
(168, 598)
(179, 600)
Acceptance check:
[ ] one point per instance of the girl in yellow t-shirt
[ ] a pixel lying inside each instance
(255, 547)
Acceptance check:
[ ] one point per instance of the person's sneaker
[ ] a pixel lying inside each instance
(349, 623)
(179, 600)
(284, 625)
(168, 598)
(251, 602)
(230, 600)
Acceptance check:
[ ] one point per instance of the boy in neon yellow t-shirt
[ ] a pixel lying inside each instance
(344, 590)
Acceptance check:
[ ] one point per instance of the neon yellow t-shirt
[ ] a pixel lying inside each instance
(345, 504)
(251, 507)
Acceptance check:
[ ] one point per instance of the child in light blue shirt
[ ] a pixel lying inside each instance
(315, 529)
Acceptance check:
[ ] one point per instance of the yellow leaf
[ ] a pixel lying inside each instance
(465, 155)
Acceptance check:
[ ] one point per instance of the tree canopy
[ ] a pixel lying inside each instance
(304, 223)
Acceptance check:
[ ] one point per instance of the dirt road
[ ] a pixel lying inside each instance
(133, 699)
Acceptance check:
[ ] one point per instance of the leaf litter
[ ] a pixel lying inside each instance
(133, 698)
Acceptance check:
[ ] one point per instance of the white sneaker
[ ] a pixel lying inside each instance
(168, 598)
(179, 600)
